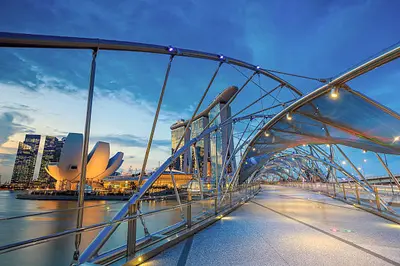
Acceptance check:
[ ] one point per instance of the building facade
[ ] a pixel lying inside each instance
(25, 161)
(221, 141)
(51, 154)
(213, 148)
(183, 162)
(201, 150)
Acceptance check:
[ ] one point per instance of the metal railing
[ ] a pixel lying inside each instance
(354, 194)
(197, 212)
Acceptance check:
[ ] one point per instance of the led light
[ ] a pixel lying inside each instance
(140, 259)
(365, 160)
(171, 49)
(334, 93)
(327, 145)
(343, 162)
(258, 67)
(267, 134)
(254, 149)
(289, 117)
(221, 57)
(364, 151)
(304, 145)
(359, 168)
(397, 138)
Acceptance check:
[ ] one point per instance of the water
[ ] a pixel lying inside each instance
(60, 251)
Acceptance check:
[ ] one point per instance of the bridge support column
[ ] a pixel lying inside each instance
(334, 190)
(344, 192)
(357, 194)
(377, 199)
(216, 203)
(131, 238)
(230, 197)
(189, 210)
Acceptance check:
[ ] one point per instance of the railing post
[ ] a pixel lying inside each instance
(344, 192)
(357, 194)
(216, 203)
(131, 238)
(378, 202)
(230, 197)
(189, 210)
(334, 190)
(82, 180)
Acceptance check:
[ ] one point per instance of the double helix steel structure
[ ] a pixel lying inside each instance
(280, 135)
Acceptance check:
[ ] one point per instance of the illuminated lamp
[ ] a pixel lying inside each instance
(334, 93)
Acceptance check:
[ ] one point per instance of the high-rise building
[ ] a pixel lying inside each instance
(202, 150)
(183, 163)
(220, 140)
(213, 148)
(25, 161)
(51, 154)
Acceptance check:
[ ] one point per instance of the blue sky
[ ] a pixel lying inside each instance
(44, 91)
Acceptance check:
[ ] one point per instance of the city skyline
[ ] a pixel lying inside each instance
(47, 90)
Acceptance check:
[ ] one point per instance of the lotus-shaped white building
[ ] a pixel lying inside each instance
(68, 169)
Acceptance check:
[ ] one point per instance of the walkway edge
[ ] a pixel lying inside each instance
(149, 253)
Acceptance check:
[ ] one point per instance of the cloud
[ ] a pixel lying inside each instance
(9, 125)
(7, 159)
(16, 107)
(129, 140)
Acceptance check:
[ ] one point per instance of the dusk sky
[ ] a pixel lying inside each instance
(44, 91)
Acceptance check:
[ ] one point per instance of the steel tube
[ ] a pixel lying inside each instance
(377, 198)
(368, 66)
(334, 190)
(106, 232)
(357, 194)
(189, 211)
(388, 170)
(178, 198)
(82, 181)
(353, 166)
(15, 40)
(131, 237)
(344, 192)
(198, 105)
(153, 128)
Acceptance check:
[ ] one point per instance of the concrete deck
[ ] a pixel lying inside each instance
(289, 226)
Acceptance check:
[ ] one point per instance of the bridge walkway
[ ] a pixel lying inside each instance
(290, 226)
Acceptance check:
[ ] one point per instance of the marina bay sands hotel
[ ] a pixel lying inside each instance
(210, 151)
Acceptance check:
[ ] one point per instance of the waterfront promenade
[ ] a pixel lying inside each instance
(290, 226)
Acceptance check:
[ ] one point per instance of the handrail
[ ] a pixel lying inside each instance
(84, 207)
(38, 240)
(230, 120)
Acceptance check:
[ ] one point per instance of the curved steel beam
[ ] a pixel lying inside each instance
(364, 68)
(20, 40)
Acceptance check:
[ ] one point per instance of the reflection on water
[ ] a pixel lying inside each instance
(59, 251)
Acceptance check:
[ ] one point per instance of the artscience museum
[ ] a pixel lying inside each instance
(99, 164)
